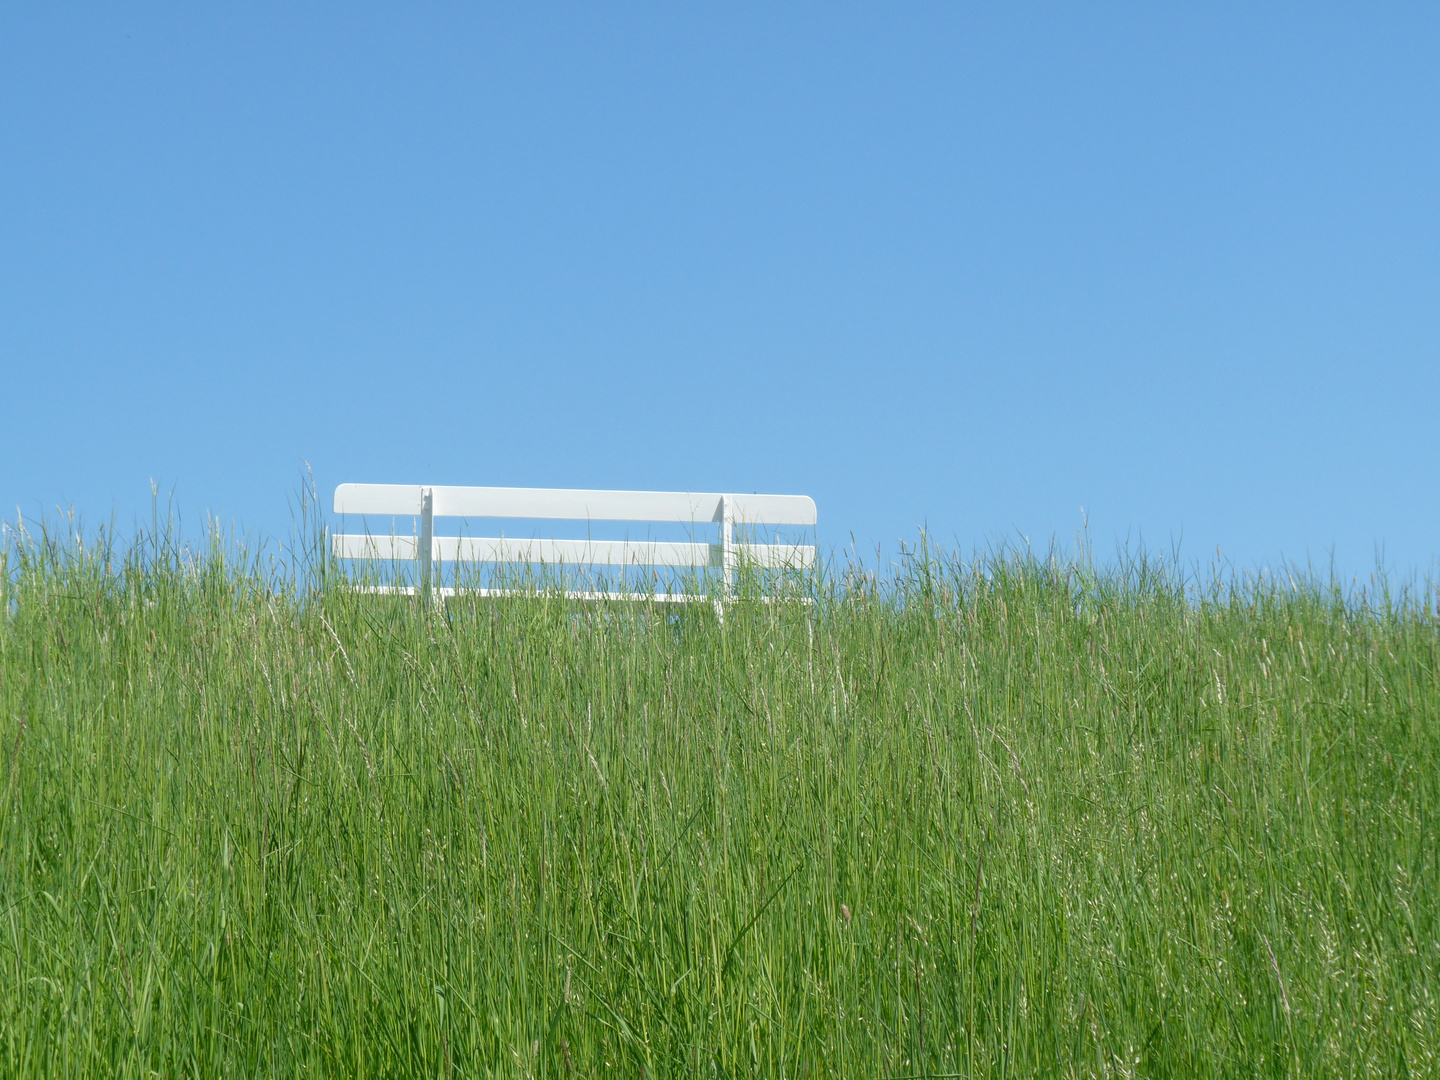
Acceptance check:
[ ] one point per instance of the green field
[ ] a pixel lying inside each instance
(1017, 817)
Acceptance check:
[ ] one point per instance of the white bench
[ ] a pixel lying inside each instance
(670, 507)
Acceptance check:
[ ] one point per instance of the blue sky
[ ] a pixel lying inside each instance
(975, 268)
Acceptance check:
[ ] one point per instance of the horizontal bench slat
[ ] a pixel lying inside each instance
(573, 504)
(382, 548)
(773, 509)
(777, 556)
(446, 593)
(581, 552)
(377, 499)
(580, 505)
(573, 552)
(500, 549)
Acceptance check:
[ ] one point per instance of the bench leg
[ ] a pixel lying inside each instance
(424, 550)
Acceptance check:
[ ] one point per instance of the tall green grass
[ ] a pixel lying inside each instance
(1018, 817)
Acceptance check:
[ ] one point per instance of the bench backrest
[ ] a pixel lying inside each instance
(690, 508)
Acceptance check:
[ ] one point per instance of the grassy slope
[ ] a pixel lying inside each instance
(1079, 825)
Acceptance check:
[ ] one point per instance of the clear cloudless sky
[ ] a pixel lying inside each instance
(967, 266)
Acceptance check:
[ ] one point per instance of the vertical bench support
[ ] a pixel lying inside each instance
(727, 554)
(427, 537)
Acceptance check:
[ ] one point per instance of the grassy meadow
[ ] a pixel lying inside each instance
(1017, 817)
